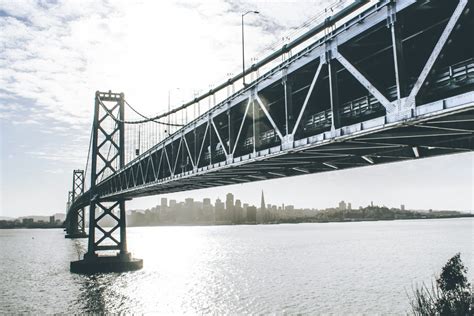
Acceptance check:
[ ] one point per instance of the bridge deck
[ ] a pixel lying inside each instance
(438, 128)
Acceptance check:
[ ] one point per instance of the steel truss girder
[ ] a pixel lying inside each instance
(410, 101)
(335, 154)
(389, 107)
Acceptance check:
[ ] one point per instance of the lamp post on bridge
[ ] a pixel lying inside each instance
(243, 46)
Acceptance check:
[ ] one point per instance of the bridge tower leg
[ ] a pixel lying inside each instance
(108, 129)
(75, 227)
(68, 205)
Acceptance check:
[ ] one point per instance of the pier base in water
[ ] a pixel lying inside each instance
(104, 264)
(76, 235)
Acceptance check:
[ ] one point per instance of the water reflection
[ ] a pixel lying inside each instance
(79, 248)
(278, 268)
(93, 292)
(106, 293)
(103, 292)
(339, 268)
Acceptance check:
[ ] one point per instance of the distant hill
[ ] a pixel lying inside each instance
(36, 218)
(381, 213)
(57, 216)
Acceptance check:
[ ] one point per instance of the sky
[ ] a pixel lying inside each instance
(54, 55)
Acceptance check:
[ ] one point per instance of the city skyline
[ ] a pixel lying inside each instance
(456, 186)
(230, 200)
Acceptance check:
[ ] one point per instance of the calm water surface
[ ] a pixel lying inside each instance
(338, 268)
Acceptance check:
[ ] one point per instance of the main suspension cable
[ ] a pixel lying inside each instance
(151, 119)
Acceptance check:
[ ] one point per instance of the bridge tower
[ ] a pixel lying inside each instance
(108, 155)
(75, 223)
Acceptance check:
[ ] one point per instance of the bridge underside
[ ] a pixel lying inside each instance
(436, 134)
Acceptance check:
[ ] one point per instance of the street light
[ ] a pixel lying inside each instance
(243, 45)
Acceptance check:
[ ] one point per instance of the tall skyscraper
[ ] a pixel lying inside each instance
(238, 212)
(229, 202)
(261, 213)
(251, 214)
(207, 210)
(219, 210)
(173, 205)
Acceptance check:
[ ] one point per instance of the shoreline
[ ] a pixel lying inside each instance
(275, 223)
(308, 222)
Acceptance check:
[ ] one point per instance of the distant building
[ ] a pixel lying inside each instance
(189, 210)
(251, 214)
(164, 202)
(342, 206)
(60, 216)
(27, 221)
(189, 203)
(402, 207)
(244, 211)
(237, 215)
(51, 220)
(349, 206)
(172, 204)
(229, 202)
(207, 210)
(261, 214)
(219, 211)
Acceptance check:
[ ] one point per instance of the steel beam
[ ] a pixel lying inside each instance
(308, 96)
(398, 56)
(411, 100)
(334, 96)
(389, 107)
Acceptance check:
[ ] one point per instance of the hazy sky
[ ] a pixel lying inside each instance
(55, 54)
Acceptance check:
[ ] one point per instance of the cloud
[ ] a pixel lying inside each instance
(54, 55)
(55, 171)
(25, 122)
(57, 54)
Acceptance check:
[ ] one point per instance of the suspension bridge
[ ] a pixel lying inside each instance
(373, 83)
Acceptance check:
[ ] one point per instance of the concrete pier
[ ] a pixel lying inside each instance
(76, 235)
(104, 264)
